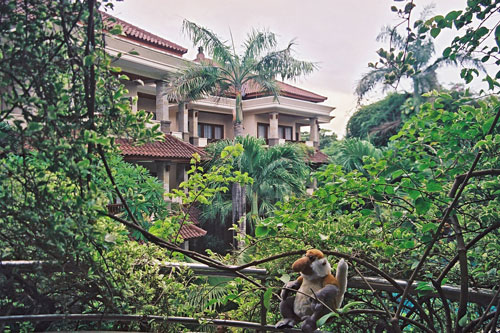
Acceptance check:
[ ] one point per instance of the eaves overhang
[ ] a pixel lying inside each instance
(213, 104)
(289, 106)
(143, 60)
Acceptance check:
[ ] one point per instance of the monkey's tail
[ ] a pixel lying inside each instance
(341, 276)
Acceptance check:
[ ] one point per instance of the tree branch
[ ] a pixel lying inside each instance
(459, 179)
(444, 219)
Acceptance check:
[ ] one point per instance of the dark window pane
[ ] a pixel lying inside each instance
(218, 132)
(281, 132)
(262, 131)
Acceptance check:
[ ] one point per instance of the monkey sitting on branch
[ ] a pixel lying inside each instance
(318, 291)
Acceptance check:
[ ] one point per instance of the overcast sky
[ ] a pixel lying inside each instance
(338, 35)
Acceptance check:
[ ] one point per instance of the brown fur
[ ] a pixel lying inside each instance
(316, 253)
(303, 265)
(311, 285)
(330, 279)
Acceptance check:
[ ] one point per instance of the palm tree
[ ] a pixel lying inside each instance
(228, 73)
(349, 154)
(278, 172)
(424, 78)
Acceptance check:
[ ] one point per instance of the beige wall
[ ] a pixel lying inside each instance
(250, 124)
(251, 120)
(217, 119)
(146, 104)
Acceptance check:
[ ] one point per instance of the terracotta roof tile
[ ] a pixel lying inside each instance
(189, 231)
(170, 148)
(194, 214)
(318, 157)
(253, 90)
(296, 92)
(140, 35)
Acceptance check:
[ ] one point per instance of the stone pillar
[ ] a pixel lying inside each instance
(193, 128)
(173, 175)
(163, 172)
(185, 169)
(131, 86)
(162, 106)
(314, 132)
(193, 123)
(273, 129)
(182, 121)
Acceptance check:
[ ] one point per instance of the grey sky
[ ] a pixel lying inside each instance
(338, 35)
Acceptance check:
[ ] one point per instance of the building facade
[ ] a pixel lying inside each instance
(149, 61)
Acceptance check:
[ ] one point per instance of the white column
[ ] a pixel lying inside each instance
(162, 106)
(273, 129)
(193, 131)
(193, 123)
(182, 121)
(131, 86)
(185, 169)
(163, 172)
(314, 131)
(173, 175)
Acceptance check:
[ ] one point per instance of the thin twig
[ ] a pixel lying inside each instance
(444, 219)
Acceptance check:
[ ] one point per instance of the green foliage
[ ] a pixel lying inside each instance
(278, 172)
(387, 212)
(201, 188)
(326, 138)
(390, 215)
(143, 193)
(228, 74)
(62, 104)
(410, 56)
(352, 153)
(380, 120)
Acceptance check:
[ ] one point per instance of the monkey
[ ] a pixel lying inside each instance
(316, 287)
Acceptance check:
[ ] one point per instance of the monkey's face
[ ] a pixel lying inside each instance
(313, 265)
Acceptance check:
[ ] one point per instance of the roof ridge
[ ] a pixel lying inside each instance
(302, 89)
(167, 43)
(187, 144)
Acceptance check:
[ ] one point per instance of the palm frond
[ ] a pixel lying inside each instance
(390, 33)
(264, 85)
(197, 81)
(370, 80)
(220, 52)
(462, 59)
(283, 64)
(352, 151)
(256, 43)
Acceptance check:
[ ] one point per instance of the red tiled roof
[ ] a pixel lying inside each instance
(144, 37)
(287, 90)
(318, 157)
(295, 92)
(171, 147)
(194, 214)
(189, 231)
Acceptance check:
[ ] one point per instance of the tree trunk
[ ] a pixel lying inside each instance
(254, 211)
(238, 116)
(417, 97)
(239, 195)
(239, 214)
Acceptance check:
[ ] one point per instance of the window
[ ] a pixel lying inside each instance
(262, 130)
(285, 132)
(210, 131)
